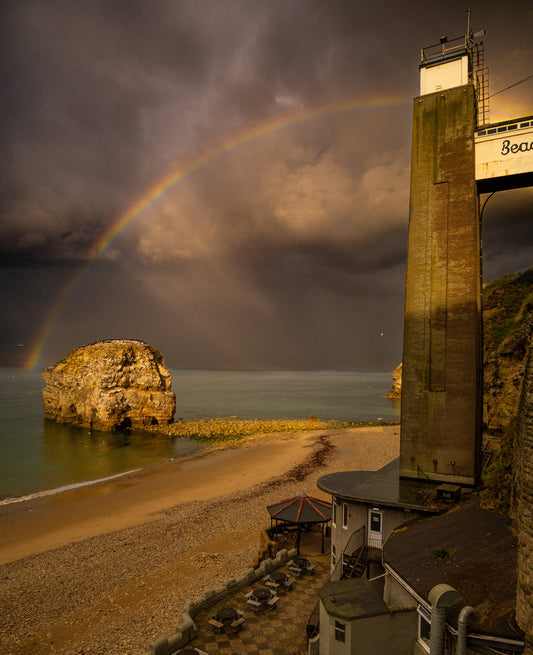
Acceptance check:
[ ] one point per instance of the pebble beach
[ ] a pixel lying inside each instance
(107, 569)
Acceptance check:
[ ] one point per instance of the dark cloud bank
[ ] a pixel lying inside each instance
(289, 250)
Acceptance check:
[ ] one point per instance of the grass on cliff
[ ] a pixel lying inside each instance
(224, 431)
(505, 302)
(507, 321)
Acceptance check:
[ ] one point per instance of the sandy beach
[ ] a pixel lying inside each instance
(107, 568)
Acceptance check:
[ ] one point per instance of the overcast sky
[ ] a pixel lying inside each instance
(288, 249)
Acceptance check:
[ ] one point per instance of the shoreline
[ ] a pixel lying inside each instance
(42, 521)
(57, 490)
(107, 568)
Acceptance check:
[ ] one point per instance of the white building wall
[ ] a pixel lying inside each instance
(446, 75)
(501, 151)
(354, 518)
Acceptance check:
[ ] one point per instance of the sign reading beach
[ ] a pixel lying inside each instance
(504, 154)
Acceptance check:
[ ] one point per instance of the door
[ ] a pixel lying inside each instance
(375, 528)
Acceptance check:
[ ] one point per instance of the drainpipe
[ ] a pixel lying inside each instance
(462, 627)
(441, 597)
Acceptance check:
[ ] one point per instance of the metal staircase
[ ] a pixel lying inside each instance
(355, 564)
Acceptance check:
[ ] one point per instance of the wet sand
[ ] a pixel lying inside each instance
(108, 567)
(40, 524)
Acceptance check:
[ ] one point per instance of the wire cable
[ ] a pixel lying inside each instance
(511, 86)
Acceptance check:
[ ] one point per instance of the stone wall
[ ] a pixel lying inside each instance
(186, 630)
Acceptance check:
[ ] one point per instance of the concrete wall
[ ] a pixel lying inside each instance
(441, 385)
(395, 595)
(388, 634)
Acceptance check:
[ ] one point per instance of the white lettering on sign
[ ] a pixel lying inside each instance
(512, 148)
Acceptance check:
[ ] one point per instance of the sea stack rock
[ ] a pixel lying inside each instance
(110, 385)
(396, 391)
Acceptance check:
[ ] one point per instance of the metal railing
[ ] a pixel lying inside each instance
(445, 49)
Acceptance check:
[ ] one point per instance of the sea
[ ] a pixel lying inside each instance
(40, 457)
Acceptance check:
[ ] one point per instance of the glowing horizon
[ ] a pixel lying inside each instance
(179, 173)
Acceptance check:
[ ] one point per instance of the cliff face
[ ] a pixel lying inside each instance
(396, 391)
(523, 506)
(110, 385)
(508, 413)
(507, 327)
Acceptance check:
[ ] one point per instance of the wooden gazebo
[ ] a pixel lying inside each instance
(301, 511)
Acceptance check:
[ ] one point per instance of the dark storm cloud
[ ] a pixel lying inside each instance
(288, 250)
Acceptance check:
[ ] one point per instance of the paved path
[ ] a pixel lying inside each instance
(281, 631)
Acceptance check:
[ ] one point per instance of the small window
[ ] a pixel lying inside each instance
(345, 515)
(502, 129)
(512, 127)
(524, 124)
(340, 631)
(424, 627)
(334, 515)
(333, 555)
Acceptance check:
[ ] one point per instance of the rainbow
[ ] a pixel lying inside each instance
(184, 169)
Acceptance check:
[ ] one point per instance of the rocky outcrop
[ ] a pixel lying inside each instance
(507, 326)
(523, 507)
(508, 414)
(396, 391)
(110, 385)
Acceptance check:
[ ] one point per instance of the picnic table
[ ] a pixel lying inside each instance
(279, 579)
(262, 598)
(226, 618)
(301, 565)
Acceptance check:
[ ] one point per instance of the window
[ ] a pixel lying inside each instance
(334, 515)
(345, 515)
(375, 521)
(424, 627)
(333, 555)
(340, 631)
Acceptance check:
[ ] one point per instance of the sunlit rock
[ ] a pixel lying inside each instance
(396, 391)
(110, 385)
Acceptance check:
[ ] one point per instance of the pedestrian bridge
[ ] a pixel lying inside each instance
(504, 155)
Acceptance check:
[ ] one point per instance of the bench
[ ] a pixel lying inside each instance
(287, 584)
(272, 602)
(237, 624)
(216, 625)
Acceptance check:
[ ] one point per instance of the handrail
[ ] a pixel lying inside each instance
(356, 540)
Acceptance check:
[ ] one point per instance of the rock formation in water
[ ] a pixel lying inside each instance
(396, 391)
(110, 385)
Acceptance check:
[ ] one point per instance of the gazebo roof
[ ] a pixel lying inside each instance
(301, 509)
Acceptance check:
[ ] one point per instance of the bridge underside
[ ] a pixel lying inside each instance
(505, 183)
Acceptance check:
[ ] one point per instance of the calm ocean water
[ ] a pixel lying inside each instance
(38, 455)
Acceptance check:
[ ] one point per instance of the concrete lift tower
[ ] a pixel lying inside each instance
(456, 155)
